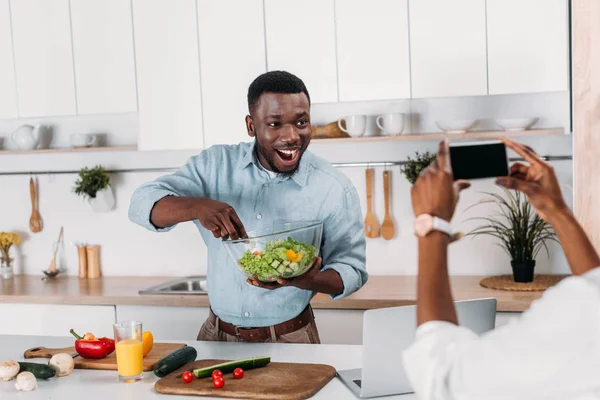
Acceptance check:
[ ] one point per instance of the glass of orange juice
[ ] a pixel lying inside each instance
(128, 339)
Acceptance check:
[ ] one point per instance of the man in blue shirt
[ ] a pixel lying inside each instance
(229, 190)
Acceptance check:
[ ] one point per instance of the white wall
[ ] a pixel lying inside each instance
(130, 250)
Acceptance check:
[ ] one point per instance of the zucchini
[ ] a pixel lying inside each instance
(175, 360)
(249, 363)
(40, 371)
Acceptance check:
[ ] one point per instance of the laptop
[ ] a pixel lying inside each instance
(387, 332)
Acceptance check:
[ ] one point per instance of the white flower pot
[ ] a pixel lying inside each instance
(104, 200)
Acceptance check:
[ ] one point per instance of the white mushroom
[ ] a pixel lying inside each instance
(26, 381)
(62, 363)
(9, 369)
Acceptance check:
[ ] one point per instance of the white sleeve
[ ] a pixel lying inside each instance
(552, 351)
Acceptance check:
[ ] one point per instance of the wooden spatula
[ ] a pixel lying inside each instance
(371, 223)
(35, 222)
(387, 227)
(52, 267)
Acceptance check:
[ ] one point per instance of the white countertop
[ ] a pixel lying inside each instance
(101, 385)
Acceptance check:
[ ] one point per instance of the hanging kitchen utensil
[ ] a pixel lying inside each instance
(35, 222)
(387, 227)
(371, 223)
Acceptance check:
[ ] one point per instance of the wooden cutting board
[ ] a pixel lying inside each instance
(275, 381)
(159, 350)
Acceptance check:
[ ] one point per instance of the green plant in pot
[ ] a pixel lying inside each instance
(521, 232)
(94, 185)
(413, 167)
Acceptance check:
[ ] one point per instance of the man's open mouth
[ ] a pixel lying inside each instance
(288, 156)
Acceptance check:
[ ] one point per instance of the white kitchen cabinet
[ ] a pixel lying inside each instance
(103, 56)
(166, 323)
(56, 319)
(372, 49)
(448, 48)
(43, 57)
(168, 74)
(8, 94)
(232, 55)
(504, 318)
(301, 40)
(528, 46)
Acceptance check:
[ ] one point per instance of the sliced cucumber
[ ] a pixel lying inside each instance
(250, 363)
(294, 266)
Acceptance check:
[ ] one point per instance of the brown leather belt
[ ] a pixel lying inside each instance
(262, 334)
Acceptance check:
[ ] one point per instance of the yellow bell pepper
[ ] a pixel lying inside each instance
(147, 343)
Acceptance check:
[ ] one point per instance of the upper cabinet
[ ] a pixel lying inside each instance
(301, 40)
(372, 49)
(168, 74)
(528, 46)
(103, 53)
(8, 95)
(448, 48)
(232, 55)
(43, 57)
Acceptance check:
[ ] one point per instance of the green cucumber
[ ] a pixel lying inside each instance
(175, 360)
(249, 363)
(40, 371)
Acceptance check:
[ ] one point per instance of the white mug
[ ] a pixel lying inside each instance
(356, 125)
(391, 124)
(82, 139)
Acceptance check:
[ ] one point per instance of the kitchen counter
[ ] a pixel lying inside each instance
(93, 384)
(380, 291)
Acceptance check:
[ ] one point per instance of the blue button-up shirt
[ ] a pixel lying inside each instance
(232, 174)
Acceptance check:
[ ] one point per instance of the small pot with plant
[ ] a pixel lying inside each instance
(413, 167)
(521, 232)
(94, 185)
(7, 240)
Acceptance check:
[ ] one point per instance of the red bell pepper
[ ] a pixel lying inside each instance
(96, 348)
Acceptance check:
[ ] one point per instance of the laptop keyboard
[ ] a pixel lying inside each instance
(358, 382)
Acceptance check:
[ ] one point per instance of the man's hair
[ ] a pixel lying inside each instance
(274, 82)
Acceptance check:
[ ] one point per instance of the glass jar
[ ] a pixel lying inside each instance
(6, 268)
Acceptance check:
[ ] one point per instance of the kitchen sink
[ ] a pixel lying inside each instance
(187, 285)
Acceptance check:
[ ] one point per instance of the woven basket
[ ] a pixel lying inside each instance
(506, 282)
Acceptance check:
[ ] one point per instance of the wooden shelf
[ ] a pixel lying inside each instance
(70, 150)
(442, 136)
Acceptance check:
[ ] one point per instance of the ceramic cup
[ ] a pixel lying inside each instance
(391, 124)
(356, 125)
(82, 139)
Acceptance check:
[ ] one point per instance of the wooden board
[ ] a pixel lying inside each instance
(108, 363)
(275, 381)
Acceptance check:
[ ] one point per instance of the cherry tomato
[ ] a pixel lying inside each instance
(218, 382)
(187, 377)
(216, 373)
(238, 373)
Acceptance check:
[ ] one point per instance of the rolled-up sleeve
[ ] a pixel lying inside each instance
(188, 181)
(344, 243)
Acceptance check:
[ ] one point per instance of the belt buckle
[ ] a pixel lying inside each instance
(237, 333)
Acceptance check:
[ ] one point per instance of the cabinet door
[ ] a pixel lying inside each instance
(301, 40)
(8, 95)
(103, 54)
(168, 74)
(533, 55)
(447, 48)
(372, 49)
(43, 57)
(232, 55)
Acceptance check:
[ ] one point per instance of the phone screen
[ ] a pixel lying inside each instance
(479, 160)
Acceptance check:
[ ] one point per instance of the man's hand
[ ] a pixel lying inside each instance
(435, 192)
(537, 180)
(221, 219)
(303, 281)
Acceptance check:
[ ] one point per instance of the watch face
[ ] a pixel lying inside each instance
(423, 225)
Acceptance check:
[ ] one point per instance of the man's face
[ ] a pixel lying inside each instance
(280, 123)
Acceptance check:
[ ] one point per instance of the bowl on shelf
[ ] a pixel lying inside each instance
(281, 250)
(516, 124)
(455, 125)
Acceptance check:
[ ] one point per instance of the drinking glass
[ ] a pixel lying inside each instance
(128, 339)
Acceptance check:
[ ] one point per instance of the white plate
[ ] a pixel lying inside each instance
(456, 125)
(516, 124)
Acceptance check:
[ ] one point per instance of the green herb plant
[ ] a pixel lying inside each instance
(413, 167)
(91, 181)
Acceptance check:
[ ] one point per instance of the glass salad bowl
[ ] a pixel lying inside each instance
(284, 250)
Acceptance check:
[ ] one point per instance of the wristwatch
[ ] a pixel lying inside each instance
(425, 223)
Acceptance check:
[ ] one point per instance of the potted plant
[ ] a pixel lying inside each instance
(522, 233)
(94, 184)
(413, 167)
(7, 240)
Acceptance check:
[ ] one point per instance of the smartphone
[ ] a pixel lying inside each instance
(479, 160)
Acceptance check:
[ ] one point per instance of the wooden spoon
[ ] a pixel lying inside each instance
(35, 222)
(371, 223)
(387, 227)
(52, 267)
